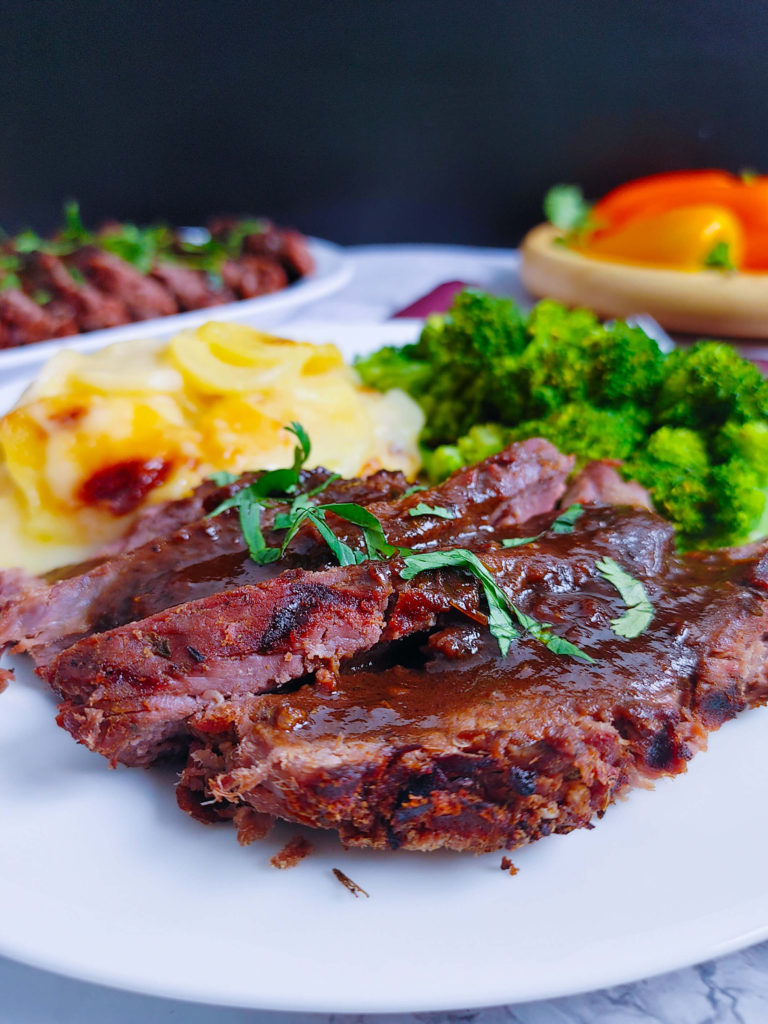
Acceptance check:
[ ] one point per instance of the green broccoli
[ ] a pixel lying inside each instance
(740, 512)
(691, 426)
(581, 429)
(708, 384)
(393, 367)
(573, 358)
(675, 467)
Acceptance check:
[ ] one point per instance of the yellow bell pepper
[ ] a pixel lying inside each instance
(679, 239)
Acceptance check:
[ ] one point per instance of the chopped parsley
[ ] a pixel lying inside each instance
(500, 608)
(563, 524)
(422, 509)
(639, 613)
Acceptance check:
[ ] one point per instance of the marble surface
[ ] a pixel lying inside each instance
(731, 990)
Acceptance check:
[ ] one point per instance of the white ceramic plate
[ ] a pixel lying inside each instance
(333, 270)
(105, 880)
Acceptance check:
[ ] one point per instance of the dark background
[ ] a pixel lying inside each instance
(395, 120)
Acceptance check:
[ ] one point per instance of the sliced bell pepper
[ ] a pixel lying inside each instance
(680, 239)
(747, 198)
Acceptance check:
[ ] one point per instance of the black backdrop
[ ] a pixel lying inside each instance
(394, 120)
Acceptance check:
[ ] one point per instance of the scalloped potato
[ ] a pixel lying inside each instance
(96, 438)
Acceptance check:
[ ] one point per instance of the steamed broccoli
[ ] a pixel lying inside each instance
(573, 358)
(674, 465)
(581, 429)
(464, 351)
(740, 482)
(691, 426)
(709, 383)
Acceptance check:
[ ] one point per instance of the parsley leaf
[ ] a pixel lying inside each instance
(414, 489)
(719, 257)
(500, 621)
(302, 451)
(563, 524)
(639, 611)
(566, 208)
(250, 501)
(422, 509)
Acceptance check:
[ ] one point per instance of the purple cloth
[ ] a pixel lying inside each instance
(436, 301)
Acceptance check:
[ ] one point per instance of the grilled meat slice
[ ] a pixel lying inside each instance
(451, 745)
(206, 556)
(254, 638)
(143, 296)
(197, 557)
(190, 288)
(23, 321)
(600, 483)
(85, 306)
(250, 276)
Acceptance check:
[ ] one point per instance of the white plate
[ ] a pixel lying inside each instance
(333, 269)
(105, 880)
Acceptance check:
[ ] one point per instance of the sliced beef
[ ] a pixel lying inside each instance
(601, 483)
(473, 751)
(76, 301)
(143, 296)
(286, 246)
(144, 674)
(23, 320)
(250, 276)
(207, 556)
(193, 560)
(190, 288)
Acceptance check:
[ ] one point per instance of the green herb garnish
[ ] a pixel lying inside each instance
(566, 208)
(422, 509)
(500, 621)
(563, 524)
(719, 257)
(9, 281)
(414, 489)
(639, 608)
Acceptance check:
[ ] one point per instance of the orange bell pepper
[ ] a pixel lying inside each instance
(680, 239)
(648, 198)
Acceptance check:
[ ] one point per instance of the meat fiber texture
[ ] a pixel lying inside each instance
(348, 698)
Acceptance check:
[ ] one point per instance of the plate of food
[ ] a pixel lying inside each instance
(412, 629)
(87, 288)
(690, 248)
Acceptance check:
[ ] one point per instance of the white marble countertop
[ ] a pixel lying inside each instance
(731, 989)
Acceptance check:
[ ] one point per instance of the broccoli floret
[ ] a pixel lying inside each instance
(571, 357)
(478, 331)
(675, 467)
(556, 364)
(393, 367)
(467, 350)
(482, 440)
(587, 432)
(438, 463)
(708, 384)
(627, 365)
(741, 482)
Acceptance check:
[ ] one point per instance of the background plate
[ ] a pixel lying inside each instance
(105, 880)
(333, 269)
